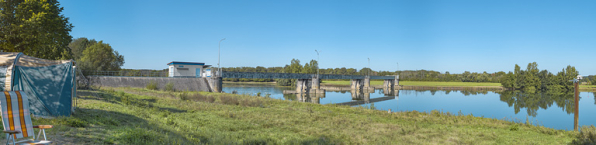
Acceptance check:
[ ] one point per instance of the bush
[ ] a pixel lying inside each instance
(183, 96)
(587, 135)
(170, 87)
(152, 85)
(514, 127)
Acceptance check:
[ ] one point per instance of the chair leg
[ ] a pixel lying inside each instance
(44, 134)
(8, 138)
(38, 134)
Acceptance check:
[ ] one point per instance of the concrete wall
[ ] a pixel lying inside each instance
(180, 84)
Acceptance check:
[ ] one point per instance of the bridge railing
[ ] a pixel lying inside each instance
(296, 76)
(254, 75)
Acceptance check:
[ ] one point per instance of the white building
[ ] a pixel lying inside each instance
(188, 69)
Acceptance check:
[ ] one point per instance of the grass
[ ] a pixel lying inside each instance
(588, 88)
(142, 116)
(420, 83)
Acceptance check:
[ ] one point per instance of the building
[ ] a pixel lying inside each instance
(189, 69)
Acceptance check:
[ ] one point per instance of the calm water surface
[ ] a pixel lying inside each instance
(553, 110)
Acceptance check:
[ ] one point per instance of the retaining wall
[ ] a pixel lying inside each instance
(180, 84)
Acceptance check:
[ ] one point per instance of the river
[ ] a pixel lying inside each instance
(554, 110)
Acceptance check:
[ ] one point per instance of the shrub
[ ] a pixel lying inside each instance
(152, 85)
(170, 87)
(183, 96)
(587, 135)
(514, 127)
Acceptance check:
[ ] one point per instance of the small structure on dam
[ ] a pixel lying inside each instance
(188, 69)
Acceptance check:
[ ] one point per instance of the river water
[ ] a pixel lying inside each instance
(554, 110)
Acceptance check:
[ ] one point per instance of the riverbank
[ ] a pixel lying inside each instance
(140, 116)
(587, 88)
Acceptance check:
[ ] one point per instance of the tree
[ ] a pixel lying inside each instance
(77, 46)
(35, 27)
(101, 57)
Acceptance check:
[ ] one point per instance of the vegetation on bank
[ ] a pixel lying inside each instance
(534, 79)
(141, 116)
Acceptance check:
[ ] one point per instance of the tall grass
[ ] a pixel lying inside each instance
(140, 116)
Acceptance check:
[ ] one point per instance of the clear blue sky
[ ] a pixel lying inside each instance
(439, 35)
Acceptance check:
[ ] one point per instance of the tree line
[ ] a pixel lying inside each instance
(37, 28)
(534, 79)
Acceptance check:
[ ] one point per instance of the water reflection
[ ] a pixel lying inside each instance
(550, 109)
(358, 97)
(532, 101)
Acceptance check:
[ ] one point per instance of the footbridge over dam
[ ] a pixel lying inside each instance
(310, 83)
(305, 83)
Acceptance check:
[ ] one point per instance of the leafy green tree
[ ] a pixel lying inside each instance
(509, 81)
(77, 46)
(532, 82)
(35, 27)
(101, 57)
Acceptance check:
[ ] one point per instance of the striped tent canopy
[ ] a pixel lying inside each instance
(50, 84)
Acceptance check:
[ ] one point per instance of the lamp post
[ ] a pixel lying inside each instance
(318, 59)
(369, 67)
(218, 54)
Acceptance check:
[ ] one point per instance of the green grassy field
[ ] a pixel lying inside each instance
(139, 116)
(420, 83)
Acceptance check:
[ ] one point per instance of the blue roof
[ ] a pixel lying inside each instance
(186, 63)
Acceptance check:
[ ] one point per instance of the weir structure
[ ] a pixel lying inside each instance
(310, 83)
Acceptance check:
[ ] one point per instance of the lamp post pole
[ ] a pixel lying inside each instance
(219, 54)
(368, 67)
(318, 61)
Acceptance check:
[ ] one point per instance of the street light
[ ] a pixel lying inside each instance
(397, 68)
(218, 54)
(369, 67)
(318, 59)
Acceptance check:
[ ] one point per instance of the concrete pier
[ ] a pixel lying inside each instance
(215, 84)
(388, 84)
(316, 83)
(357, 84)
(367, 82)
(303, 85)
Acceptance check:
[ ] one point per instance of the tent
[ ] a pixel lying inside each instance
(50, 84)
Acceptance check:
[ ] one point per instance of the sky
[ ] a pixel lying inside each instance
(454, 35)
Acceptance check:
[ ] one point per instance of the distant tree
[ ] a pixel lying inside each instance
(35, 27)
(509, 81)
(533, 79)
(77, 46)
(101, 57)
